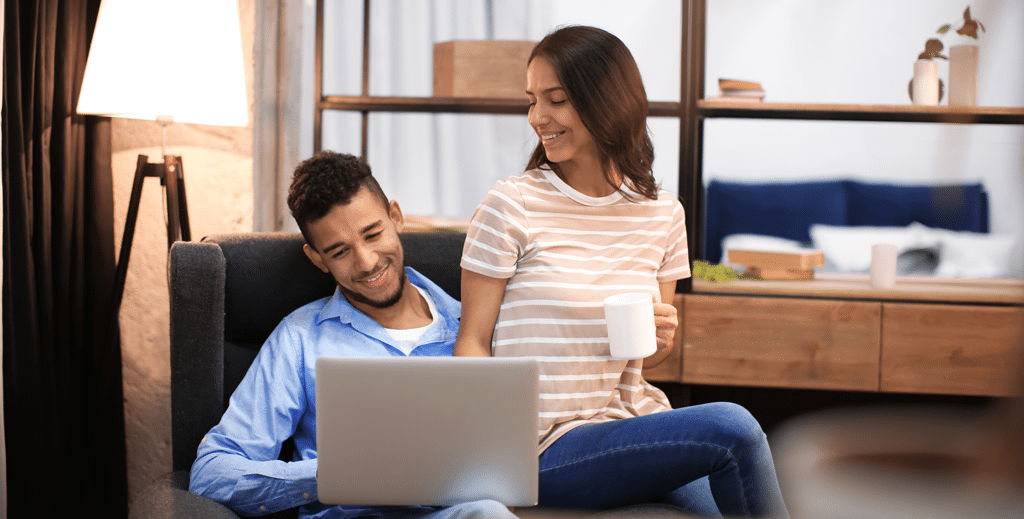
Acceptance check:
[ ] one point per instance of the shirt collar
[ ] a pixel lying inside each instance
(338, 307)
(593, 201)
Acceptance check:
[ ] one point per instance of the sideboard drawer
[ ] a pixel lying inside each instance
(781, 342)
(950, 349)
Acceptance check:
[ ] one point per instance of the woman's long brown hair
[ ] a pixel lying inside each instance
(602, 81)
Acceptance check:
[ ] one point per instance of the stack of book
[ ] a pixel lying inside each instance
(737, 90)
(778, 265)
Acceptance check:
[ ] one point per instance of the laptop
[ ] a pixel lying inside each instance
(433, 431)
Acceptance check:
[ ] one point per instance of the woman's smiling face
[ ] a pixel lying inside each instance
(566, 141)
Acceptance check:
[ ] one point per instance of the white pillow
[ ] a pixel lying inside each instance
(848, 249)
(963, 254)
(976, 255)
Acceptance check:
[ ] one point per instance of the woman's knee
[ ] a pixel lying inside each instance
(734, 421)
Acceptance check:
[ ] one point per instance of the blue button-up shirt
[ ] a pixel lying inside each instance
(237, 462)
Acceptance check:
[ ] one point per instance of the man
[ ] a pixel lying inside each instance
(380, 308)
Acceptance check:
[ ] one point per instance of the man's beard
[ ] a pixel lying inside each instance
(390, 301)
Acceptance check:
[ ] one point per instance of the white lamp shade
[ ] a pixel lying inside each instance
(179, 59)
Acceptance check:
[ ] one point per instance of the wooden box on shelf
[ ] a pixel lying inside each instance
(481, 68)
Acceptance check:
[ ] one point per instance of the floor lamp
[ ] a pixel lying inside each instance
(193, 74)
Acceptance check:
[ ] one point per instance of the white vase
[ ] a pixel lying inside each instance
(926, 83)
(963, 75)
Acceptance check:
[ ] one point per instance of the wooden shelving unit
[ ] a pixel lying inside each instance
(856, 112)
(365, 103)
(857, 287)
(454, 105)
(952, 337)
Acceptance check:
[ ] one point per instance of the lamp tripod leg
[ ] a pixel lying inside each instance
(129, 230)
(173, 208)
(172, 177)
(176, 172)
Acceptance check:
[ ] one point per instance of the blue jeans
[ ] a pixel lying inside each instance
(664, 457)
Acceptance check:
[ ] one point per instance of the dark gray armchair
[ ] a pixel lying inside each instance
(227, 293)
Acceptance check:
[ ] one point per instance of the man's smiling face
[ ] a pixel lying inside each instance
(358, 244)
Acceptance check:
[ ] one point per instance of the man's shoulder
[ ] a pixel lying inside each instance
(308, 314)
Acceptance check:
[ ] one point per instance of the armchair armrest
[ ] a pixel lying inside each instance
(169, 498)
(197, 346)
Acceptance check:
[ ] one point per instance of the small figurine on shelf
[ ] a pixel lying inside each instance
(963, 62)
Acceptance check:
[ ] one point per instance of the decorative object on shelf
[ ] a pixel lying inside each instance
(713, 273)
(963, 75)
(926, 87)
(883, 265)
(481, 68)
(738, 90)
(963, 63)
(777, 265)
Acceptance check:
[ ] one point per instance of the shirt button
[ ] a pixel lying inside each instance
(263, 508)
(305, 495)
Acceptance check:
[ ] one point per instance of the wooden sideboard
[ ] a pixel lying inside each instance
(926, 335)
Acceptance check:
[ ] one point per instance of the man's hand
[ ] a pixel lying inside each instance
(666, 320)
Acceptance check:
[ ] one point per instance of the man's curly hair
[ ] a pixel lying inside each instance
(325, 180)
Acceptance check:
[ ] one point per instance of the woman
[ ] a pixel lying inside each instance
(586, 221)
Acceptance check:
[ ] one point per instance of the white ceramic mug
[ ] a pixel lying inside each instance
(631, 331)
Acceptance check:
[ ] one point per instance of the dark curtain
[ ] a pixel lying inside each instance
(63, 405)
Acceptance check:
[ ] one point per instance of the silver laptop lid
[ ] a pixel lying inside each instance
(426, 430)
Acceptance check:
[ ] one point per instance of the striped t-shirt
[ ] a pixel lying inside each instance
(563, 252)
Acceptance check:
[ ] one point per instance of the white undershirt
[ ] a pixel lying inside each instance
(407, 339)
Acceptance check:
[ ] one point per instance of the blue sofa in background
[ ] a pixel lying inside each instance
(787, 210)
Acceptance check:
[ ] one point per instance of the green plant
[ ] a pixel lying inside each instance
(932, 49)
(714, 273)
(969, 28)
